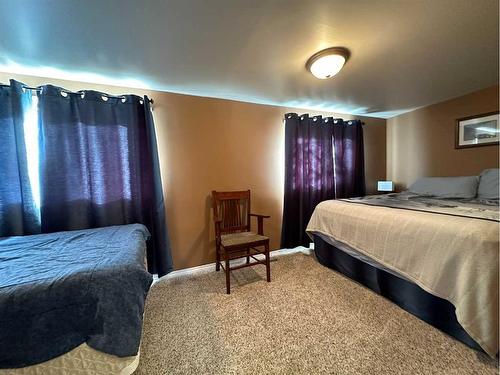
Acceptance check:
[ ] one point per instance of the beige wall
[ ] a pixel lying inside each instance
(212, 144)
(422, 142)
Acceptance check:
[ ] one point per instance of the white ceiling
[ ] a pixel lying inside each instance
(404, 53)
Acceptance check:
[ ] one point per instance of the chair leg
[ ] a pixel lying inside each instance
(228, 280)
(217, 258)
(268, 263)
(248, 255)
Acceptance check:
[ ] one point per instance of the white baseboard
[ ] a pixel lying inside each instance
(211, 266)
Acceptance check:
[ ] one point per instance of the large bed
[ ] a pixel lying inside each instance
(436, 258)
(73, 301)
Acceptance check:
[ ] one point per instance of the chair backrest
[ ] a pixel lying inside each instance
(233, 209)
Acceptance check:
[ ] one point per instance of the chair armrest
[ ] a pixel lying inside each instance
(260, 222)
(263, 216)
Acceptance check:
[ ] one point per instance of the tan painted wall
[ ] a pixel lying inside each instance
(422, 142)
(212, 144)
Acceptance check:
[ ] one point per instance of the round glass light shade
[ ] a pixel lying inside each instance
(327, 63)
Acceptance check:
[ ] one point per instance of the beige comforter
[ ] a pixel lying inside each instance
(452, 257)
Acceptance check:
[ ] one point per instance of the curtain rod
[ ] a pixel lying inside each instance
(284, 119)
(39, 89)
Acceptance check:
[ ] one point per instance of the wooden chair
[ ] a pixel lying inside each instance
(233, 238)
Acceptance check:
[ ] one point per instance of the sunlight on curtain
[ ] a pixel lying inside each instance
(32, 150)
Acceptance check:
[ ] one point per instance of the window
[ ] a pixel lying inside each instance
(31, 138)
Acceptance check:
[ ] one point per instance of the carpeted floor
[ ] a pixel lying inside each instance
(308, 320)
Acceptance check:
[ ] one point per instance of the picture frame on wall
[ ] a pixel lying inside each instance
(478, 130)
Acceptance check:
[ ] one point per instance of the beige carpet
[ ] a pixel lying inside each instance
(308, 320)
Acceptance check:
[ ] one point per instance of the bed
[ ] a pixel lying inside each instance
(435, 257)
(73, 301)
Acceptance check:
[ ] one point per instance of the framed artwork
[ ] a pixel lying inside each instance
(479, 130)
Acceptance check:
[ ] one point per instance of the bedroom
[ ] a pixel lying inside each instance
(118, 121)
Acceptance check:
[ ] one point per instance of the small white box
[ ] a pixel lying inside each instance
(385, 186)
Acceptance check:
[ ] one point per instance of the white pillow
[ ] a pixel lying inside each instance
(446, 187)
(488, 184)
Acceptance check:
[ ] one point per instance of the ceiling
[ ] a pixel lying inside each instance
(404, 53)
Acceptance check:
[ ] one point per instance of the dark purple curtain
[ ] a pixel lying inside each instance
(308, 173)
(315, 169)
(99, 166)
(349, 159)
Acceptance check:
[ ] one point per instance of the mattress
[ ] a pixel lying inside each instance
(83, 360)
(446, 253)
(60, 290)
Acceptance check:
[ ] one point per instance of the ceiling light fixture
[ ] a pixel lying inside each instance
(328, 62)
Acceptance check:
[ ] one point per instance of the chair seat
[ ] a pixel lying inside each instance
(241, 238)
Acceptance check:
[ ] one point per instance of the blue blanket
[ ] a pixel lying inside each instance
(59, 290)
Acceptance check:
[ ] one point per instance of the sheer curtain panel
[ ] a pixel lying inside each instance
(18, 210)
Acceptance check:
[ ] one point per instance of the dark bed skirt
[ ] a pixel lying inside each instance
(409, 296)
